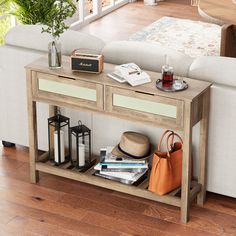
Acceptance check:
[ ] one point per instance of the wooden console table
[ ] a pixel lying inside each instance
(96, 93)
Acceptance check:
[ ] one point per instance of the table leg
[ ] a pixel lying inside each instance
(203, 148)
(32, 121)
(186, 170)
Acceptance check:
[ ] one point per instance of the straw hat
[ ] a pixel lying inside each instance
(133, 145)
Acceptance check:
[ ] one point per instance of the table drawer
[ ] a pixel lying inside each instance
(74, 91)
(144, 107)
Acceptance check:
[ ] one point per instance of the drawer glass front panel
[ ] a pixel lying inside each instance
(145, 105)
(67, 89)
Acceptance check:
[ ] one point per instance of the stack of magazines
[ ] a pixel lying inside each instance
(124, 170)
(130, 73)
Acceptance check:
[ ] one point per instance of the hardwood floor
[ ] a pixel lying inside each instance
(125, 21)
(57, 206)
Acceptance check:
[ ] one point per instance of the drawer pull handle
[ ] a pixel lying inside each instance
(145, 93)
(64, 77)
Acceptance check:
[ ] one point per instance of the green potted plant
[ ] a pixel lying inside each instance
(55, 25)
(52, 14)
(5, 20)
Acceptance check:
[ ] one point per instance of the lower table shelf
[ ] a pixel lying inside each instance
(65, 170)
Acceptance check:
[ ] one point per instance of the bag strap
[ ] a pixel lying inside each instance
(162, 137)
(171, 145)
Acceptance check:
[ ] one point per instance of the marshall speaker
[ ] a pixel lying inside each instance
(85, 62)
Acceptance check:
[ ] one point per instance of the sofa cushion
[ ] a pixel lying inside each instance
(146, 55)
(220, 70)
(30, 36)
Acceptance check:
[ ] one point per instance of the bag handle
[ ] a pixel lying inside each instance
(162, 137)
(171, 145)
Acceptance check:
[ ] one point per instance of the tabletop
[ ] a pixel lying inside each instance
(223, 10)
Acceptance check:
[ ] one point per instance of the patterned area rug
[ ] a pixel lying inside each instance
(194, 38)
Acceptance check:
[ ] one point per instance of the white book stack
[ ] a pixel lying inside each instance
(124, 170)
(130, 73)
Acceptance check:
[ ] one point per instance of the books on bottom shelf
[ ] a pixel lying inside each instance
(123, 177)
(121, 167)
(124, 170)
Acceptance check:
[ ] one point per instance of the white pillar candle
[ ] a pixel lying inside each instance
(62, 146)
(73, 154)
(81, 154)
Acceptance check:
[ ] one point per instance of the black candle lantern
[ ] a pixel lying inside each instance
(55, 125)
(82, 135)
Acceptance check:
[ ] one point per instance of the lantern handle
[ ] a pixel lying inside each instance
(58, 111)
(80, 123)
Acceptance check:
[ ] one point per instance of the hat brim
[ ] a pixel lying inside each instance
(119, 153)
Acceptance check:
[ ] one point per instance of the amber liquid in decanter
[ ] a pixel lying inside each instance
(167, 76)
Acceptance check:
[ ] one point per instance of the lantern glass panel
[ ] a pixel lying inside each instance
(81, 146)
(58, 129)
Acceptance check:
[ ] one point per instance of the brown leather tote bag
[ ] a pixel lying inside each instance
(166, 173)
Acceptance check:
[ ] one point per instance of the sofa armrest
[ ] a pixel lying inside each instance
(220, 70)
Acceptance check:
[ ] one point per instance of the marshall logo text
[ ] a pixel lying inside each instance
(85, 64)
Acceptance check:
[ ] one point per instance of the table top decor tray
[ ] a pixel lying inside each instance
(172, 88)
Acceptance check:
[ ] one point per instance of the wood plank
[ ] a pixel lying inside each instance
(186, 175)
(201, 219)
(88, 192)
(203, 148)
(35, 226)
(9, 231)
(107, 184)
(41, 216)
(41, 203)
(205, 224)
(76, 203)
(124, 226)
(17, 153)
(131, 216)
(194, 192)
(9, 164)
(32, 123)
(222, 204)
(145, 183)
(73, 227)
(44, 157)
(22, 173)
(175, 192)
